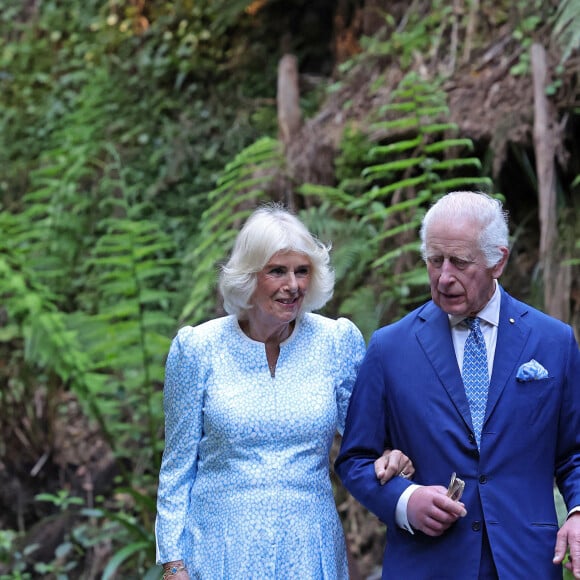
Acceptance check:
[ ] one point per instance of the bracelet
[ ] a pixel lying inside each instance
(172, 571)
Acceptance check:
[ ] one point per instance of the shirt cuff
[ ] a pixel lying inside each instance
(574, 510)
(401, 510)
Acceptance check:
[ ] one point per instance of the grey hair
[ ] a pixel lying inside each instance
(478, 207)
(270, 229)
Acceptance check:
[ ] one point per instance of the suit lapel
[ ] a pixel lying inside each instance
(435, 339)
(512, 335)
(434, 335)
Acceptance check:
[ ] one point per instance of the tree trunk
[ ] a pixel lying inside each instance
(289, 113)
(555, 274)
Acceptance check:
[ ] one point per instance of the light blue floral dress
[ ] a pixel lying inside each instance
(244, 488)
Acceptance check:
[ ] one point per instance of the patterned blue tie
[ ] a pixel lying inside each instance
(475, 375)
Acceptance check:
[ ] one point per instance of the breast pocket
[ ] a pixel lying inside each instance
(538, 399)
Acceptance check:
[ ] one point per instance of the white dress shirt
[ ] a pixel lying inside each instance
(489, 320)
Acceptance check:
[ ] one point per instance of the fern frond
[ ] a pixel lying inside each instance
(566, 31)
(241, 186)
(472, 183)
(452, 164)
(336, 196)
(419, 155)
(364, 309)
(397, 147)
(385, 169)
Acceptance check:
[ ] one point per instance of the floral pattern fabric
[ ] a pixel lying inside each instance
(244, 488)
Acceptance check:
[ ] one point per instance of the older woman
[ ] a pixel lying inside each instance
(252, 401)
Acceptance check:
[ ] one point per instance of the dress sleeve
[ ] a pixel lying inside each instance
(183, 396)
(364, 440)
(350, 347)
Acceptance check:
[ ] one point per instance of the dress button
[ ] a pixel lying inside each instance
(476, 526)
(482, 479)
(471, 438)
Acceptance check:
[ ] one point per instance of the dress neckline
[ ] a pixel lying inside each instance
(236, 323)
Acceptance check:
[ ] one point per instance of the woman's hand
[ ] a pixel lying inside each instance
(180, 571)
(393, 462)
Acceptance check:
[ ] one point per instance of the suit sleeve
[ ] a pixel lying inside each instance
(366, 436)
(568, 452)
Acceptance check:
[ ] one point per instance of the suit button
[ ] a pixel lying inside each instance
(471, 438)
(476, 526)
(482, 479)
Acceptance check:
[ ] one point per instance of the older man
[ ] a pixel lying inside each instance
(479, 384)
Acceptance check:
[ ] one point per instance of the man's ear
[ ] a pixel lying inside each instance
(498, 269)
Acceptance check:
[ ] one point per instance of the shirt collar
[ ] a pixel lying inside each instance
(489, 313)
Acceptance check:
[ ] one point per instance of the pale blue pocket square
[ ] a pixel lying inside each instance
(531, 371)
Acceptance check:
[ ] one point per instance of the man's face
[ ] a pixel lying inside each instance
(460, 281)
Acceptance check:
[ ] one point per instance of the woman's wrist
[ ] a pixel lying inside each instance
(174, 568)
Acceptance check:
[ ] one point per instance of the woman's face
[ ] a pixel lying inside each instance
(281, 286)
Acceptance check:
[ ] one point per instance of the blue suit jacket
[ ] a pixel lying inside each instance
(409, 395)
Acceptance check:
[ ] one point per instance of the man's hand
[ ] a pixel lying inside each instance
(569, 538)
(391, 463)
(431, 511)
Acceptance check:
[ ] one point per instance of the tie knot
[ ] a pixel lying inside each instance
(472, 322)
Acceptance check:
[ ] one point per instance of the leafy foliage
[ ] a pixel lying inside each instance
(566, 31)
(116, 120)
(414, 155)
(114, 117)
(242, 186)
(108, 351)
